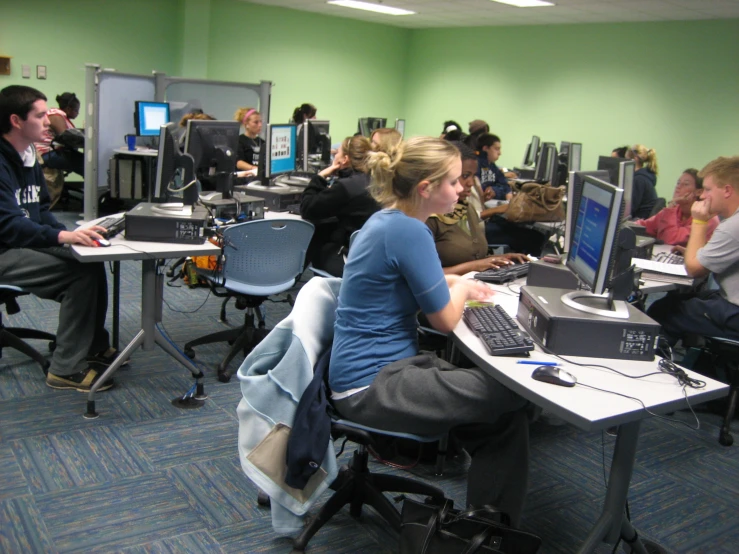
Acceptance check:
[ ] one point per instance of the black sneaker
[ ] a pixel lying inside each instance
(105, 358)
(82, 381)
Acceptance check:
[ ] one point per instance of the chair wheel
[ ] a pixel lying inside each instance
(725, 439)
(263, 499)
(190, 353)
(52, 346)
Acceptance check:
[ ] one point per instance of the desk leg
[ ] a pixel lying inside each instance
(112, 368)
(116, 302)
(612, 522)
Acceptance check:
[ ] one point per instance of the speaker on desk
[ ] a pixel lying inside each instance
(543, 274)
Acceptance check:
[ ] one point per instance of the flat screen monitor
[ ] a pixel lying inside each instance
(368, 124)
(621, 175)
(564, 148)
(400, 127)
(532, 151)
(213, 145)
(574, 192)
(280, 155)
(315, 140)
(546, 165)
(574, 156)
(149, 117)
(175, 171)
(593, 250)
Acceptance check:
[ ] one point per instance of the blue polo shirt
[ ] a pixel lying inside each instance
(393, 271)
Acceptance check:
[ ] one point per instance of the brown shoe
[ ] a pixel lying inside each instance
(82, 381)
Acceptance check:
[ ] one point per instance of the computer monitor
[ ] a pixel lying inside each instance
(546, 165)
(621, 174)
(564, 148)
(148, 117)
(532, 151)
(213, 145)
(368, 124)
(595, 247)
(400, 127)
(313, 138)
(280, 150)
(175, 171)
(574, 192)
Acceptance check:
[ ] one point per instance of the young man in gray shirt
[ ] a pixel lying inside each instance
(713, 313)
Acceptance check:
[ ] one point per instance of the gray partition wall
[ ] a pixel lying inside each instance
(110, 107)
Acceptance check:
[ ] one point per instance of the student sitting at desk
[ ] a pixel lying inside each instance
(385, 139)
(32, 256)
(644, 193)
(672, 224)
(494, 182)
(250, 143)
(60, 120)
(376, 375)
(346, 199)
(713, 313)
(303, 112)
(460, 241)
(197, 116)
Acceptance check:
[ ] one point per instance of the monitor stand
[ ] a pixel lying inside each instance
(598, 304)
(613, 304)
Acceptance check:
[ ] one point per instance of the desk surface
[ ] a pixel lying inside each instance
(122, 249)
(580, 406)
(138, 152)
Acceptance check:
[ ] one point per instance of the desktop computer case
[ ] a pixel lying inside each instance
(277, 198)
(145, 224)
(566, 331)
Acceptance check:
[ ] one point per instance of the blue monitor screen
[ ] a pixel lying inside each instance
(282, 149)
(591, 228)
(150, 116)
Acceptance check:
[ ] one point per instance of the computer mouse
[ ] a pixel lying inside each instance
(102, 242)
(554, 375)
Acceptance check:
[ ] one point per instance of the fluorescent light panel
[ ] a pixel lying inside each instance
(525, 3)
(367, 6)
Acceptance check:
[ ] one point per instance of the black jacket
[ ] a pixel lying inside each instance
(348, 199)
(25, 219)
(644, 193)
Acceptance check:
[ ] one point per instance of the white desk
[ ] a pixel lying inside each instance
(592, 410)
(152, 285)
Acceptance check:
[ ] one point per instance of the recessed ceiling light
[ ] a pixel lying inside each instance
(525, 3)
(379, 8)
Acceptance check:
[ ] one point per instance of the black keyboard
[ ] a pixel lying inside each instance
(503, 274)
(668, 258)
(497, 330)
(113, 226)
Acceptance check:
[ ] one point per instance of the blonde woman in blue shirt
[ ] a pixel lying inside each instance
(377, 375)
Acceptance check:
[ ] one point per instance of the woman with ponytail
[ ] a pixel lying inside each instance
(644, 194)
(60, 119)
(303, 112)
(250, 143)
(377, 375)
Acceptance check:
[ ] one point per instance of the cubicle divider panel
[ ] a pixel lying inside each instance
(216, 98)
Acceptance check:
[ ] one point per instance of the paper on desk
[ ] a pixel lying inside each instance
(660, 267)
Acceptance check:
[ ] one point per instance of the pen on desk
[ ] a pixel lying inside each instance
(534, 362)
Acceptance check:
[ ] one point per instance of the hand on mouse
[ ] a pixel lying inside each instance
(84, 237)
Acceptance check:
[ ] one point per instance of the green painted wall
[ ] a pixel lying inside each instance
(346, 68)
(132, 36)
(671, 86)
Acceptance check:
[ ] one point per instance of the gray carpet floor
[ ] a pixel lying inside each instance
(147, 477)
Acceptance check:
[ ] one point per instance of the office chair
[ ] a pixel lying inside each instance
(659, 205)
(262, 258)
(355, 484)
(12, 337)
(723, 353)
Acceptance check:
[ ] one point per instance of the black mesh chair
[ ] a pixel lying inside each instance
(659, 205)
(12, 337)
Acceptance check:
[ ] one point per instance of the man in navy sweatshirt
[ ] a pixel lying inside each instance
(33, 247)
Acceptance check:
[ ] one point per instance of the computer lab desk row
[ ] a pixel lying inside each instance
(592, 410)
(152, 290)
